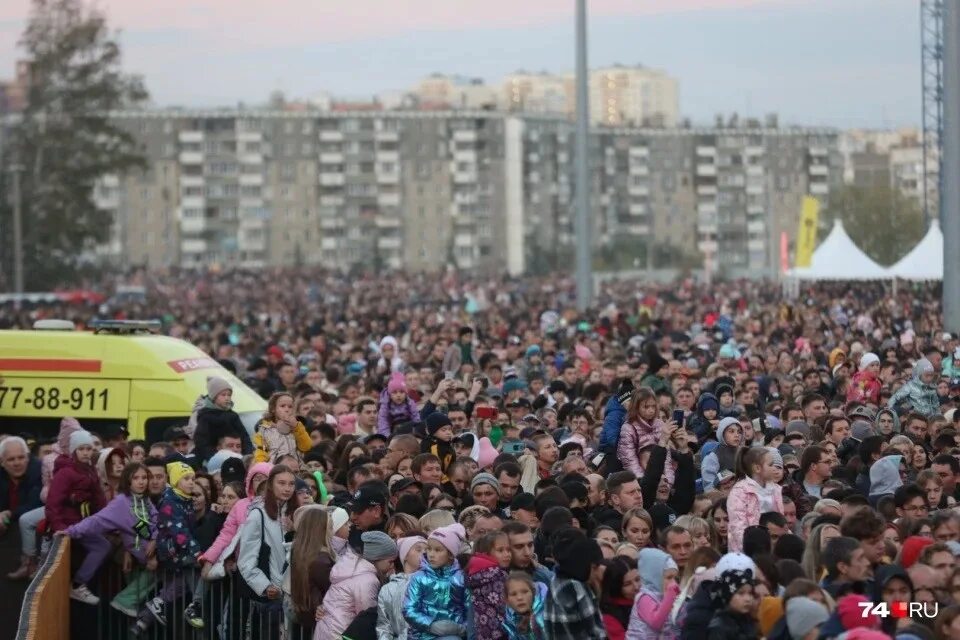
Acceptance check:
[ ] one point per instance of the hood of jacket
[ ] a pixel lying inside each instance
(885, 475)
(652, 563)
(261, 467)
(884, 575)
(483, 570)
(704, 398)
(892, 414)
(350, 566)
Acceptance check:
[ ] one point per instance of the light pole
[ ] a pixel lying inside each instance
(950, 176)
(16, 169)
(583, 226)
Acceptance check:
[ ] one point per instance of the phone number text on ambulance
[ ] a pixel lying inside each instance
(54, 398)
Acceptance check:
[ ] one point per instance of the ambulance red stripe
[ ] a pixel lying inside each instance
(49, 364)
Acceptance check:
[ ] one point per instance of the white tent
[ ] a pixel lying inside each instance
(838, 258)
(925, 261)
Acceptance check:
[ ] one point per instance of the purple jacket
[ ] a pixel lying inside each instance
(133, 517)
(390, 415)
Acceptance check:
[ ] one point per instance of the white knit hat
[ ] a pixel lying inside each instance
(79, 439)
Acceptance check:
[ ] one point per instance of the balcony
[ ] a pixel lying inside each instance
(639, 152)
(707, 190)
(640, 191)
(388, 156)
(465, 177)
(331, 136)
(388, 199)
(754, 150)
(819, 170)
(819, 151)
(191, 181)
(332, 201)
(188, 137)
(328, 244)
(251, 180)
(464, 240)
(192, 202)
(331, 157)
(755, 170)
(332, 223)
(707, 208)
(819, 188)
(639, 210)
(191, 157)
(466, 155)
(332, 179)
(388, 136)
(636, 229)
(193, 245)
(465, 135)
(388, 178)
(389, 243)
(637, 169)
(706, 170)
(754, 189)
(249, 136)
(706, 151)
(193, 225)
(387, 222)
(250, 158)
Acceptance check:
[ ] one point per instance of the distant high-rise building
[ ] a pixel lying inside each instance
(633, 96)
(481, 190)
(884, 157)
(537, 93)
(455, 92)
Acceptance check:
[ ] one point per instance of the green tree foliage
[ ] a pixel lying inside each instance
(883, 222)
(65, 140)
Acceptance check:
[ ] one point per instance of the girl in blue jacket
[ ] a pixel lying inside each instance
(435, 605)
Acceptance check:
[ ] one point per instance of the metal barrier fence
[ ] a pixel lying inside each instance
(45, 614)
(144, 605)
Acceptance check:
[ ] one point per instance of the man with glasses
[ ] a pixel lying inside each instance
(911, 502)
(815, 465)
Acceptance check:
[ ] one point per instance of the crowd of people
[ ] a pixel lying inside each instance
(451, 458)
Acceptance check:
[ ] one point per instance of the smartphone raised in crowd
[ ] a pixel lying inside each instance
(678, 416)
(485, 413)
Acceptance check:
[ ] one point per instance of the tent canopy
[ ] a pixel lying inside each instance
(838, 258)
(925, 261)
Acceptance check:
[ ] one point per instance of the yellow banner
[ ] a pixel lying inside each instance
(807, 233)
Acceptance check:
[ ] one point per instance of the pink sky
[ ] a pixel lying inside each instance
(249, 24)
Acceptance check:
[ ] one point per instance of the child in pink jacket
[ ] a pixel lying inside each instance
(650, 616)
(755, 493)
(256, 476)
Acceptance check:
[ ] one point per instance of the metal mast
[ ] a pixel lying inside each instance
(950, 164)
(931, 44)
(583, 225)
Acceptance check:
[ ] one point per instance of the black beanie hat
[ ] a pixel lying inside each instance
(575, 553)
(436, 420)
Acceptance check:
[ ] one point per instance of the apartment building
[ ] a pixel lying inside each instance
(481, 190)
(885, 157)
(620, 95)
(633, 96)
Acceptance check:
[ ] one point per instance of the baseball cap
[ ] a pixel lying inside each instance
(405, 483)
(366, 497)
(723, 475)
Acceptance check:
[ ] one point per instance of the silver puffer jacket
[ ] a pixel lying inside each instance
(390, 622)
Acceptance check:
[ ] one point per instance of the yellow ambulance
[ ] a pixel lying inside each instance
(117, 373)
